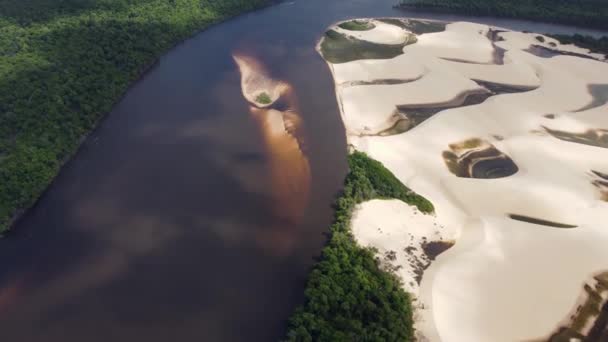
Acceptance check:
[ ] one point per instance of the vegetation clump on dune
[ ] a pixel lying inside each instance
(357, 25)
(348, 296)
(339, 48)
(588, 13)
(263, 98)
(63, 64)
(477, 158)
(589, 322)
(416, 26)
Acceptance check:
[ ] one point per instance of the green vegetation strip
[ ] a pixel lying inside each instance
(587, 13)
(357, 25)
(597, 45)
(64, 63)
(338, 48)
(416, 26)
(348, 296)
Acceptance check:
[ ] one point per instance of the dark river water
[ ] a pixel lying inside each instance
(162, 227)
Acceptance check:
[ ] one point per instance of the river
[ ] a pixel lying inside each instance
(162, 227)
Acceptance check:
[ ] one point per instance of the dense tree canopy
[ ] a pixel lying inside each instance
(588, 13)
(348, 296)
(64, 63)
(598, 45)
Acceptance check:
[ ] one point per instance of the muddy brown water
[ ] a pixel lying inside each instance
(162, 227)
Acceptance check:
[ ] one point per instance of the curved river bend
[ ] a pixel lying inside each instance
(164, 226)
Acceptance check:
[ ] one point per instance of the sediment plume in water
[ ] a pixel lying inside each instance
(8, 294)
(417, 27)
(592, 137)
(477, 158)
(277, 116)
(589, 320)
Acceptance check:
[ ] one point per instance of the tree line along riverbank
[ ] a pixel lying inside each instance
(64, 63)
(583, 13)
(349, 296)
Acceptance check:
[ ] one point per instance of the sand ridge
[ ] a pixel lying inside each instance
(505, 279)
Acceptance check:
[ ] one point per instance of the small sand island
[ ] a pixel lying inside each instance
(273, 105)
(506, 134)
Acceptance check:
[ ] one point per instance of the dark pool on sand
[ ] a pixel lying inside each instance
(157, 230)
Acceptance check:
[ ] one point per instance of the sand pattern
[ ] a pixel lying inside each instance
(509, 144)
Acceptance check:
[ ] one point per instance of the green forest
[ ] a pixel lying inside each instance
(348, 296)
(64, 63)
(584, 13)
(597, 45)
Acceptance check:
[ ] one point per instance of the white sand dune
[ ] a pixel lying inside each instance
(461, 41)
(505, 279)
(591, 117)
(379, 69)
(371, 107)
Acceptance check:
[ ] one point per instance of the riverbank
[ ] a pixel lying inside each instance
(458, 113)
(62, 67)
(587, 13)
(350, 295)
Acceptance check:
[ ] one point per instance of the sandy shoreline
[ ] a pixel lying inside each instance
(500, 270)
